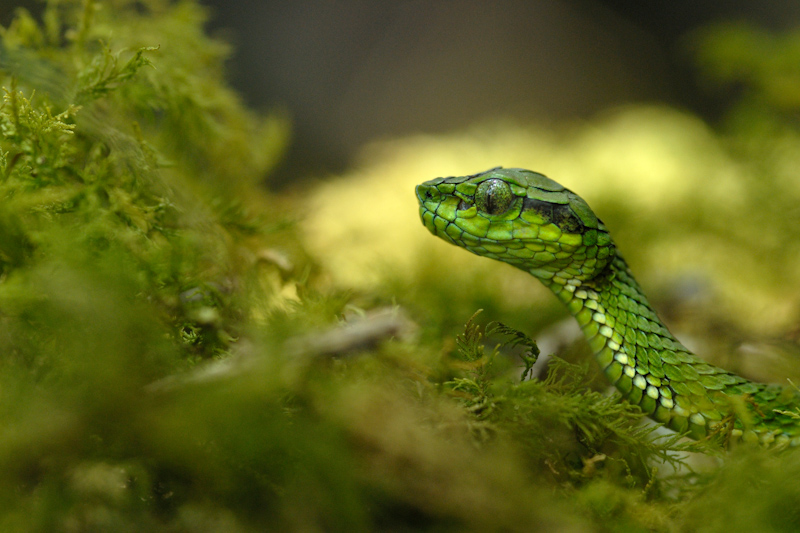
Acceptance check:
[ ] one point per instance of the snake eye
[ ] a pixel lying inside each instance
(493, 197)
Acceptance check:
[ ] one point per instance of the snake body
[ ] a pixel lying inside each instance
(531, 222)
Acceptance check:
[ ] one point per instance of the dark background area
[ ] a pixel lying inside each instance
(347, 72)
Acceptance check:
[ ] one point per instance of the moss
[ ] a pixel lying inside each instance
(112, 146)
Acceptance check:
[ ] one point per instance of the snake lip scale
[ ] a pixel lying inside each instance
(533, 223)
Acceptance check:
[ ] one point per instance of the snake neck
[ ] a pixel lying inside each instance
(617, 319)
(653, 370)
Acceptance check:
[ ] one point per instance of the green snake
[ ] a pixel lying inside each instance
(531, 222)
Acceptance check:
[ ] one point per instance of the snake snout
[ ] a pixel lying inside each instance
(427, 193)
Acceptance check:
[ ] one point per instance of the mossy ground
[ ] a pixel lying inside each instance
(182, 350)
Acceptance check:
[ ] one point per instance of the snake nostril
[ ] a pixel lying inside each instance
(425, 193)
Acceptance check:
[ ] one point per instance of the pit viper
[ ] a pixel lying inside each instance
(531, 222)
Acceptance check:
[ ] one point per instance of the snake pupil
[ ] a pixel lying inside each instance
(493, 197)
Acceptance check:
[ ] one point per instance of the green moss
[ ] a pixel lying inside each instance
(112, 146)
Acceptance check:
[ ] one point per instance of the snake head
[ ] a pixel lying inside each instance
(520, 217)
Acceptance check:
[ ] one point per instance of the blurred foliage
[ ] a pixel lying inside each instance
(179, 355)
(760, 69)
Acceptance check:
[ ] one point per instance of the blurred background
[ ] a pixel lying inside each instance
(349, 72)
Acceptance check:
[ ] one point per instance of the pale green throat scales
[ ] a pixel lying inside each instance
(533, 223)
